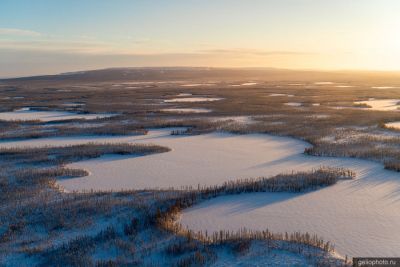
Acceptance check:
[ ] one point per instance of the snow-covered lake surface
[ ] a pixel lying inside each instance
(72, 104)
(192, 99)
(278, 94)
(395, 125)
(249, 83)
(294, 104)
(26, 114)
(381, 104)
(184, 94)
(186, 110)
(360, 216)
(344, 86)
(197, 84)
(384, 87)
(324, 83)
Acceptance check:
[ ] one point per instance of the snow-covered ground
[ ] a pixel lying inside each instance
(324, 83)
(344, 86)
(381, 104)
(360, 217)
(249, 83)
(192, 99)
(197, 84)
(294, 104)
(27, 114)
(296, 84)
(72, 104)
(384, 87)
(278, 94)
(186, 110)
(235, 119)
(319, 116)
(395, 125)
(184, 94)
(259, 255)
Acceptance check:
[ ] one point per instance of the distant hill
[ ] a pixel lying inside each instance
(207, 74)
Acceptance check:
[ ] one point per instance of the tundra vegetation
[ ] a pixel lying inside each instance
(42, 225)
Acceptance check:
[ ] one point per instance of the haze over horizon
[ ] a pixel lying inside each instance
(50, 37)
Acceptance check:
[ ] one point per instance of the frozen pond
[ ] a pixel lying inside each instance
(186, 110)
(381, 104)
(192, 99)
(294, 104)
(27, 114)
(360, 217)
(324, 83)
(395, 125)
(278, 94)
(249, 83)
(384, 87)
(197, 84)
(344, 86)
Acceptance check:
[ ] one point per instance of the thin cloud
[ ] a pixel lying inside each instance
(19, 32)
(56, 46)
(254, 52)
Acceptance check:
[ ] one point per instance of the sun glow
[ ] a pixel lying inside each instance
(291, 34)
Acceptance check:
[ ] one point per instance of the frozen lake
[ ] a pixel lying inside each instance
(27, 114)
(360, 216)
(186, 110)
(381, 104)
(192, 99)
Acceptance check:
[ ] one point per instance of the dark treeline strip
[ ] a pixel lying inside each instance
(71, 153)
(365, 149)
(38, 131)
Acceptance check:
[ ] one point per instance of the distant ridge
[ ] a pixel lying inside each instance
(203, 73)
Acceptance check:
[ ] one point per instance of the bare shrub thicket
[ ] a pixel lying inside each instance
(365, 147)
(66, 154)
(42, 130)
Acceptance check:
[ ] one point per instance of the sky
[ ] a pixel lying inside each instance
(53, 36)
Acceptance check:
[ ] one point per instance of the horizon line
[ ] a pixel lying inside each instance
(389, 71)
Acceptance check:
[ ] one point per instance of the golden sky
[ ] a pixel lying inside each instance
(44, 36)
